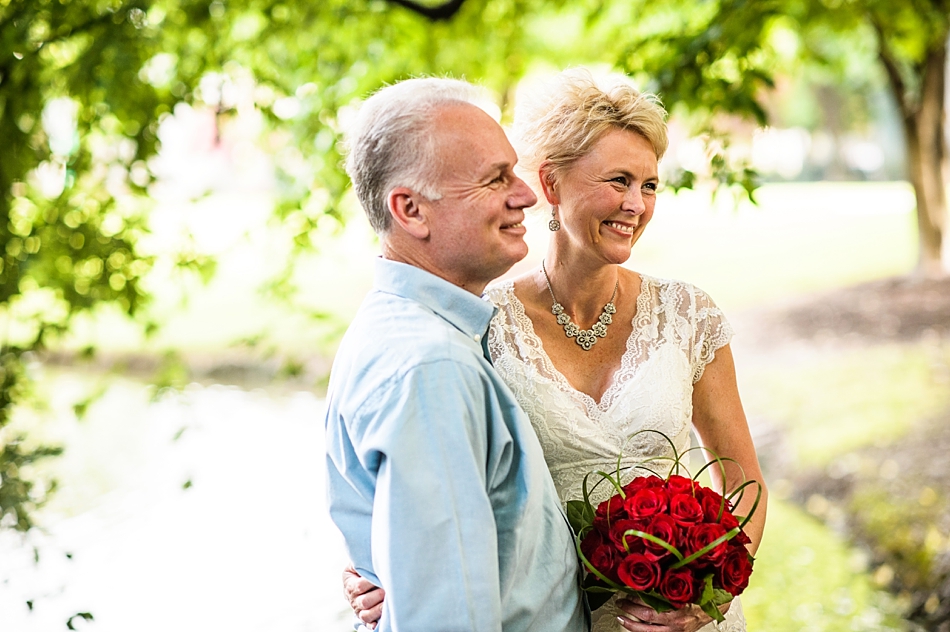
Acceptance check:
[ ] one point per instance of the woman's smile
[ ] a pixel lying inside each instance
(621, 227)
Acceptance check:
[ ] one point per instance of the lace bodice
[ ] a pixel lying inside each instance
(676, 332)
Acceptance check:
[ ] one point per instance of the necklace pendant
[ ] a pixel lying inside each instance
(586, 339)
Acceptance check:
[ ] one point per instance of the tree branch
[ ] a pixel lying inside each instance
(438, 13)
(891, 67)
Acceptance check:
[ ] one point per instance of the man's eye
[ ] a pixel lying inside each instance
(652, 186)
(620, 180)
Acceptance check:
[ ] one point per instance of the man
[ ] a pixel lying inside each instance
(435, 476)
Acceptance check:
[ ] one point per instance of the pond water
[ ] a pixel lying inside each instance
(223, 528)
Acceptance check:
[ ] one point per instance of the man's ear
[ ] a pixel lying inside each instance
(407, 213)
(548, 182)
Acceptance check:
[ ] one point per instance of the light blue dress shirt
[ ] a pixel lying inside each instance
(436, 478)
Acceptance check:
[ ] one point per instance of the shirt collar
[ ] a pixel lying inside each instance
(468, 313)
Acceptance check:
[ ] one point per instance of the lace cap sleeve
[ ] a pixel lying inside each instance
(711, 331)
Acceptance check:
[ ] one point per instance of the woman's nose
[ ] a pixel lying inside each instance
(633, 201)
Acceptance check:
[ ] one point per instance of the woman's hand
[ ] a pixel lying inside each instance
(642, 618)
(365, 598)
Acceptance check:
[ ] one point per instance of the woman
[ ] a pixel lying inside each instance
(595, 352)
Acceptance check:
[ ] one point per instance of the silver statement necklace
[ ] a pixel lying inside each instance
(586, 338)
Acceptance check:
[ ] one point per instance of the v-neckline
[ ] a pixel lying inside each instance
(642, 308)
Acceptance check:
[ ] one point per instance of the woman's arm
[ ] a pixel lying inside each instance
(722, 427)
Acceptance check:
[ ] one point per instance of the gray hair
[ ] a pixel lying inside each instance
(391, 142)
(561, 121)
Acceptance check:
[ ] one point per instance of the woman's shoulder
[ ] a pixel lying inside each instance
(500, 293)
(674, 291)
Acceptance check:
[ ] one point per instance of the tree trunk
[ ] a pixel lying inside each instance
(926, 156)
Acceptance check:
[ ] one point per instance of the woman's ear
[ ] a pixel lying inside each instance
(407, 212)
(548, 182)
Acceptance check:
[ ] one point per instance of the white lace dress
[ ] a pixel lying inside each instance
(676, 332)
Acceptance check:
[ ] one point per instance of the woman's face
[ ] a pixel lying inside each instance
(606, 198)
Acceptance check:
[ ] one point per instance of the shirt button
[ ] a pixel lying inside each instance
(477, 337)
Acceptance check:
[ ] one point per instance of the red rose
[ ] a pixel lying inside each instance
(686, 510)
(634, 543)
(664, 528)
(639, 572)
(734, 573)
(608, 512)
(729, 522)
(700, 536)
(646, 503)
(605, 559)
(591, 542)
(741, 539)
(679, 485)
(678, 587)
(639, 483)
(713, 505)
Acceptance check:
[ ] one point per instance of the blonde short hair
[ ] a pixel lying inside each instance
(561, 121)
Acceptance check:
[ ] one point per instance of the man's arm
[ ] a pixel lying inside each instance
(434, 538)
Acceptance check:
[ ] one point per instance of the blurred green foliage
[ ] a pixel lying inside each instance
(725, 55)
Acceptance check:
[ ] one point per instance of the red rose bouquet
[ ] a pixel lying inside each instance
(669, 541)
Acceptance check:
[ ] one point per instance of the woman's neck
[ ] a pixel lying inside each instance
(581, 286)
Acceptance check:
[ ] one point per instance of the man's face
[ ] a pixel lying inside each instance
(476, 231)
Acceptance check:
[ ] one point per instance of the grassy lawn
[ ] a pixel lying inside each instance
(834, 401)
(807, 578)
(801, 238)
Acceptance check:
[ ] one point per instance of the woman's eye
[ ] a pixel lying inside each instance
(620, 180)
(652, 186)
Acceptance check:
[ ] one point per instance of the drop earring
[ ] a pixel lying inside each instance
(554, 225)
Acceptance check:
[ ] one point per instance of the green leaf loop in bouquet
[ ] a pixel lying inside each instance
(655, 540)
(683, 561)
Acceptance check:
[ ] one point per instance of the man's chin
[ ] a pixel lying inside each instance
(503, 265)
(515, 256)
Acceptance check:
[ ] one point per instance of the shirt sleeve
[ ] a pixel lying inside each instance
(711, 332)
(434, 538)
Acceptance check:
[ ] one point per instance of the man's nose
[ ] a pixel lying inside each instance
(521, 195)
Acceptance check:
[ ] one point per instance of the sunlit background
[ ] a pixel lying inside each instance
(190, 492)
